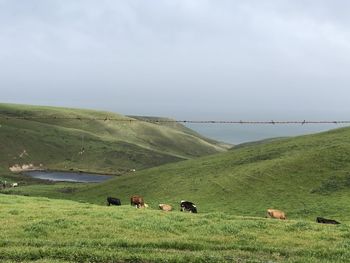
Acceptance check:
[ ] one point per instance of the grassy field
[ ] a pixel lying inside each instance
(109, 146)
(36, 229)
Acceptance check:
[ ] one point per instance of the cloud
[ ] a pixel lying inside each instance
(177, 55)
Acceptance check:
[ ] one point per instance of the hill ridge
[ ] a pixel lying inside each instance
(108, 146)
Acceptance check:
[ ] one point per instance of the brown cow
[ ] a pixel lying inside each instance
(165, 207)
(137, 201)
(274, 213)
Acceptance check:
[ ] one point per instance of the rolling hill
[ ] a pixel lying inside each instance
(77, 139)
(306, 176)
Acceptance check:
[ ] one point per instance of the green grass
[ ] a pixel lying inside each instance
(109, 146)
(306, 176)
(47, 230)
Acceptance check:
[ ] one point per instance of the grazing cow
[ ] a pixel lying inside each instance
(137, 201)
(14, 184)
(113, 201)
(165, 207)
(188, 207)
(273, 213)
(326, 221)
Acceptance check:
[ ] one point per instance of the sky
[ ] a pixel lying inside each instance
(185, 59)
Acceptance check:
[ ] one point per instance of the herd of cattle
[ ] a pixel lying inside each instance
(138, 202)
(187, 206)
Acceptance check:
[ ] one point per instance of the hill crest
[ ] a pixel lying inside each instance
(80, 139)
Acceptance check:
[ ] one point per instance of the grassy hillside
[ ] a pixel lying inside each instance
(49, 137)
(178, 126)
(306, 176)
(46, 230)
(254, 143)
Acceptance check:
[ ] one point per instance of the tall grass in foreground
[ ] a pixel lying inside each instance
(45, 230)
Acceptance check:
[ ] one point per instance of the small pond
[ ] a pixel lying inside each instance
(68, 176)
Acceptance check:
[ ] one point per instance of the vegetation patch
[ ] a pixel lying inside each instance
(333, 184)
(125, 234)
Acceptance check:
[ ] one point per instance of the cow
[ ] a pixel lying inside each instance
(137, 201)
(274, 213)
(187, 206)
(14, 184)
(113, 201)
(326, 221)
(165, 207)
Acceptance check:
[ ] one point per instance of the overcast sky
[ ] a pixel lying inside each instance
(196, 59)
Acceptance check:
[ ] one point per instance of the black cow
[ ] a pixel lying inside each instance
(326, 221)
(113, 201)
(4, 184)
(188, 207)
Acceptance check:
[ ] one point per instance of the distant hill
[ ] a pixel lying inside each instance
(49, 136)
(306, 176)
(171, 123)
(255, 143)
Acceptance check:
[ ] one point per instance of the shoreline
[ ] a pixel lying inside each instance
(63, 176)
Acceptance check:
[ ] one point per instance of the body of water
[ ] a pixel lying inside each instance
(68, 176)
(241, 133)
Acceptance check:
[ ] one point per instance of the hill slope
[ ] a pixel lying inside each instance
(306, 176)
(49, 137)
(175, 125)
(46, 230)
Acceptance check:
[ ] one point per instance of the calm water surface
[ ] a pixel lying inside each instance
(237, 133)
(68, 176)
